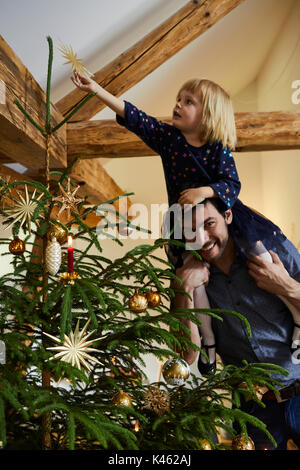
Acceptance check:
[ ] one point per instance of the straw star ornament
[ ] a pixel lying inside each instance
(23, 208)
(75, 348)
(73, 60)
(68, 199)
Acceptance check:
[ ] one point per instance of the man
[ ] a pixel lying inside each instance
(251, 287)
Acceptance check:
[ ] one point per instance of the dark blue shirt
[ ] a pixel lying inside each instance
(270, 320)
(185, 166)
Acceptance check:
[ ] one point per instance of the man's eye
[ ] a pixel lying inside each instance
(209, 224)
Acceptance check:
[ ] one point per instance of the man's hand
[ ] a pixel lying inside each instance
(272, 277)
(193, 273)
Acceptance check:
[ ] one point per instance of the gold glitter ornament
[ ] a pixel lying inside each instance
(239, 443)
(153, 299)
(138, 303)
(157, 400)
(121, 398)
(176, 371)
(17, 246)
(53, 256)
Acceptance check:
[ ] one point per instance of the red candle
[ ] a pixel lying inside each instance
(70, 254)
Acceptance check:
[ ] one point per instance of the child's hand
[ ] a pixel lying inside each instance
(191, 196)
(84, 83)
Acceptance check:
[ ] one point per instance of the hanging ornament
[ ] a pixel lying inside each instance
(176, 371)
(153, 299)
(2, 352)
(17, 246)
(239, 442)
(204, 444)
(68, 199)
(122, 398)
(58, 232)
(75, 348)
(23, 208)
(73, 60)
(138, 303)
(157, 400)
(53, 257)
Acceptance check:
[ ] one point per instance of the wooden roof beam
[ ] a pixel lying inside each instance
(19, 139)
(149, 53)
(256, 132)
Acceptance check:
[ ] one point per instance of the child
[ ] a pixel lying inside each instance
(198, 164)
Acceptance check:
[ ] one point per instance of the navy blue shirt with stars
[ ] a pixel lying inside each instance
(186, 166)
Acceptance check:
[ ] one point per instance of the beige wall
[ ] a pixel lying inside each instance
(281, 169)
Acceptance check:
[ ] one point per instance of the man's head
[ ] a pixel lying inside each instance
(206, 229)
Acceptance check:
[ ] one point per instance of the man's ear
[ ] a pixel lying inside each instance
(228, 216)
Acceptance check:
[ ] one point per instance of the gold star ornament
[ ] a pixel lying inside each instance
(73, 60)
(68, 199)
(75, 348)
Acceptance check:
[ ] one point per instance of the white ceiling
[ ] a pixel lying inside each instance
(232, 52)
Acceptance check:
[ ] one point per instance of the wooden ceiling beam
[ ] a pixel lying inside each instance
(149, 53)
(19, 139)
(94, 182)
(275, 130)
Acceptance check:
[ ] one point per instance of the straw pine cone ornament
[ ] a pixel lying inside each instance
(53, 256)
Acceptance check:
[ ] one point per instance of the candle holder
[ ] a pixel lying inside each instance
(69, 278)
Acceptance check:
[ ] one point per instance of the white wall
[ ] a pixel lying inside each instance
(281, 169)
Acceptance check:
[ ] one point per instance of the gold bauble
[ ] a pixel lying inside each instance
(121, 398)
(239, 443)
(138, 303)
(153, 299)
(58, 232)
(176, 371)
(17, 246)
(204, 444)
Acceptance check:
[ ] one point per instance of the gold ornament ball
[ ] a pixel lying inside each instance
(17, 246)
(122, 398)
(138, 303)
(176, 371)
(153, 299)
(204, 444)
(58, 232)
(239, 443)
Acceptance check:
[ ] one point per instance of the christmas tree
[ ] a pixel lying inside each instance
(75, 327)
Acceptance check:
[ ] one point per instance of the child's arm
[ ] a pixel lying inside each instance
(87, 84)
(196, 195)
(224, 184)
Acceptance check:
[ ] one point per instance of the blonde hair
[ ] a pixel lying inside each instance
(217, 114)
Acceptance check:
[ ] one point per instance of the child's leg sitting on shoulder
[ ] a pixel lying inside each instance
(206, 332)
(260, 250)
